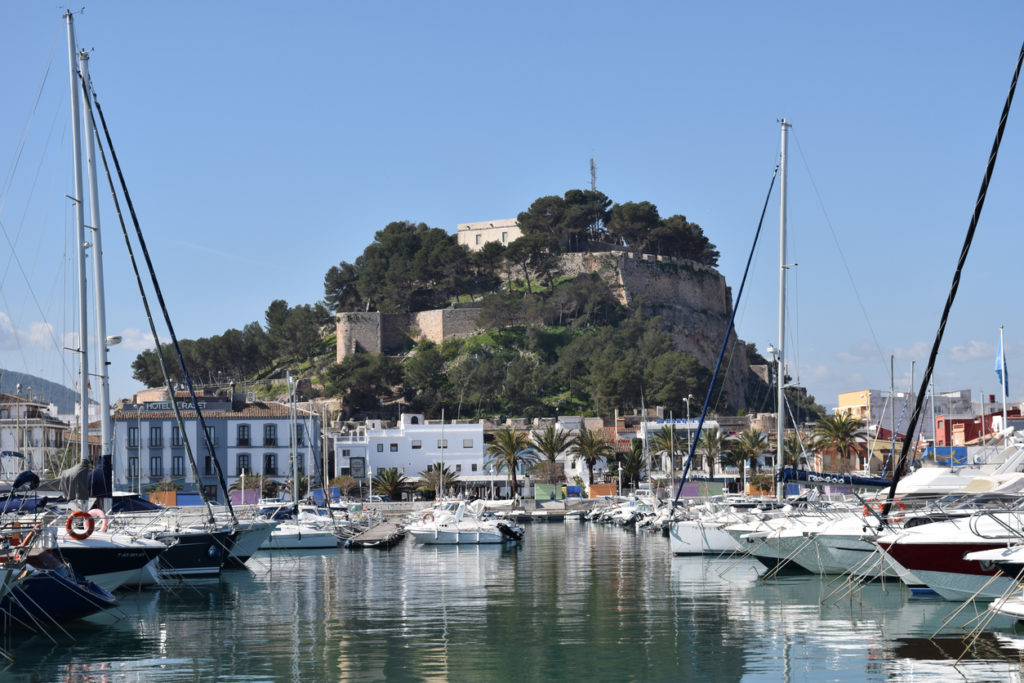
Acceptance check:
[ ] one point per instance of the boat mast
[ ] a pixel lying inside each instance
(295, 455)
(83, 312)
(1002, 373)
(781, 370)
(106, 439)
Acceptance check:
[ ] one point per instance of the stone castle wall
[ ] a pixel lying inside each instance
(692, 299)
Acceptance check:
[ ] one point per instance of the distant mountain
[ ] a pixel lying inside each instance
(42, 390)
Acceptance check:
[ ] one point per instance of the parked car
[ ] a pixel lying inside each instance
(379, 499)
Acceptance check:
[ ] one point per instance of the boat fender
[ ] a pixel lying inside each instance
(90, 524)
(427, 517)
(101, 519)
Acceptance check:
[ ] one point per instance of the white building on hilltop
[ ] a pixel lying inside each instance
(475, 235)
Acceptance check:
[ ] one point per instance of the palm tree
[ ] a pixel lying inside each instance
(747, 445)
(591, 446)
(390, 483)
(510, 450)
(633, 462)
(666, 442)
(550, 442)
(710, 448)
(792, 449)
(839, 431)
(436, 478)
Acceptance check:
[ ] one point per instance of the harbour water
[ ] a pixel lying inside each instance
(574, 601)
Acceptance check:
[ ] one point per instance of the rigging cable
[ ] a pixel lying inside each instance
(839, 249)
(156, 286)
(725, 342)
(975, 216)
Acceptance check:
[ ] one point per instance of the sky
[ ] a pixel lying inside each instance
(265, 142)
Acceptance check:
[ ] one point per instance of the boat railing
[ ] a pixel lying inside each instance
(1010, 521)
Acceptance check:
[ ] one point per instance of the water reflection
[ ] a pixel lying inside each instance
(572, 601)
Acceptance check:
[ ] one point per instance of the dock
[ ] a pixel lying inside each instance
(383, 535)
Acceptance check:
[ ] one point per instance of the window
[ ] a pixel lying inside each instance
(156, 436)
(442, 443)
(417, 444)
(458, 468)
(210, 493)
(298, 435)
(300, 464)
(156, 466)
(270, 464)
(175, 437)
(467, 443)
(474, 467)
(346, 452)
(269, 435)
(478, 240)
(133, 466)
(380, 448)
(380, 471)
(133, 437)
(211, 435)
(430, 468)
(243, 435)
(504, 237)
(394, 448)
(178, 466)
(208, 469)
(243, 464)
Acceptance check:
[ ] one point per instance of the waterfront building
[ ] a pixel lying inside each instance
(879, 409)
(248, 436)
(414, 445)
(31, 428)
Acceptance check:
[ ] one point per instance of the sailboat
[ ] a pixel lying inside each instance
(703, 532)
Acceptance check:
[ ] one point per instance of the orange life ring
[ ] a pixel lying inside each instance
(101, 519)
(90, 524)
(427, 516)
(872, 504)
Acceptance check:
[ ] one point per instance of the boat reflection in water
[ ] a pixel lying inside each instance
(616, 603)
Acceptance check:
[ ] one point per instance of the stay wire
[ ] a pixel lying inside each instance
(87, 89)
(725, 341)
(901, 464)
(839, 249)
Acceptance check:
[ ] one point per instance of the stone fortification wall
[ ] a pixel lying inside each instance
(446, 323)
(357, 330)
(692, 300)
(386, 332)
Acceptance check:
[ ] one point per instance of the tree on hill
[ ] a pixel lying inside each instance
(571, 221)
(363, 380)
(631, 224)
(407, 267)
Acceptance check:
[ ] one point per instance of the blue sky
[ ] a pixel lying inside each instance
(264, 143)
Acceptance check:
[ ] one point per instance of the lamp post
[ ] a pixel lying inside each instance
(490, 474)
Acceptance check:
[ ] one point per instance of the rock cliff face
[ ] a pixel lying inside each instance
(692, 300)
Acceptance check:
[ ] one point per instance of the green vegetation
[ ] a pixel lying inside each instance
(553, 344)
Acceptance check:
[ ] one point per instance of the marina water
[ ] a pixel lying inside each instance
(574, 601)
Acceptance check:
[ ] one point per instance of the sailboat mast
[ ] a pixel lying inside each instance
(83, 312)
(106, 438)
(781, 371)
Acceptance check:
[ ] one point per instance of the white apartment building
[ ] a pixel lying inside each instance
(248, 437)
(685, 429)
(32, 429)
(415, 445)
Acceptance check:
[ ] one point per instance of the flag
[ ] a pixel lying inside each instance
(1001, 372)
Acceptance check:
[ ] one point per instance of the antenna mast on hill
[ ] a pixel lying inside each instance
(593, 174)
